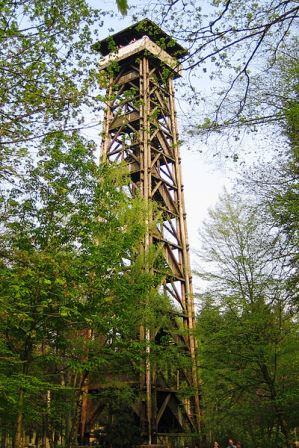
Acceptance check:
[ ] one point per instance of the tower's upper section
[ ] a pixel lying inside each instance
(140, 37)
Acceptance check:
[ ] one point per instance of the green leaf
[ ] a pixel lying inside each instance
(122, 6)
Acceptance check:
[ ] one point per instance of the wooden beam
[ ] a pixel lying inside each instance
(163, 407)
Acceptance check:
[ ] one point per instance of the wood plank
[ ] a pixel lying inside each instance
(128, 77)
(163, 407)
(124, 120)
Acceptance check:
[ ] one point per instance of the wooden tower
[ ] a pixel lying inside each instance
(140, 128)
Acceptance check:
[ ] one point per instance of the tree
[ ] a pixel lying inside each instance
(235, 45)
(68, 233)
(246, 330)
(48, 72)
(274, 186)
(285, 205)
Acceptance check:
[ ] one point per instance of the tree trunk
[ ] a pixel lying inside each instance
(279, 416)
(44, 432)
(20, 417)
(56, 438)
(73, 436)
(3, 438)
(48, 426)
(68, 417)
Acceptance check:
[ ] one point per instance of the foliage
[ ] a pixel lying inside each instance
(235, 49)
(48, 72)
(68, 233)
(246, 330)
(285, 208)
(122, 6)
(73, 288)
(274, 186)
(42, 87)
(123, 428)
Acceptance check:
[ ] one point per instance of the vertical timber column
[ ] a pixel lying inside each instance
(146, 193)
(186, 256)
(106, 122)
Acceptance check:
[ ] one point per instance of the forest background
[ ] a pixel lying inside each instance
(240, 81)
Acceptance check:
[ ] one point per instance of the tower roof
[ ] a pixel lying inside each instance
(143, 28)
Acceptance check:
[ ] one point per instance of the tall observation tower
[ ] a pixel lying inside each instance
(140, 64)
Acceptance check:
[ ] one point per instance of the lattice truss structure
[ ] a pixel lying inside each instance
(140, 129)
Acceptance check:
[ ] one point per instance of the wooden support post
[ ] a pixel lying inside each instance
(185, 245)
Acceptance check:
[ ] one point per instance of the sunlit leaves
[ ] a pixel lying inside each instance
(122, 6)
(246, 328)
